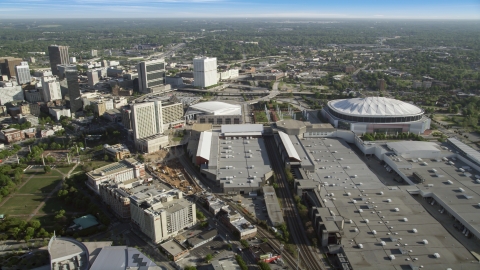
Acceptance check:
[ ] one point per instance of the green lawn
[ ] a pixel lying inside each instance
(21, 205)
(177, 139)
(40, 184)
(54, 204)
(64, 170)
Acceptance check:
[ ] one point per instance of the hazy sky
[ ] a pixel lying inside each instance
(396, 9)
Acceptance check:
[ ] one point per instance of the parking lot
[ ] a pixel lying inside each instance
(255, 205)
(217, 247)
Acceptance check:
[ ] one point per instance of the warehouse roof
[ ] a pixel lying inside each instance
(215, 108)
(204, 145)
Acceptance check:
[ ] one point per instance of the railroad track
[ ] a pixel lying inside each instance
(294, 223)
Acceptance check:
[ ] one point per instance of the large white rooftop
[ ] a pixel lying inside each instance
(217, 108)
(374, 106)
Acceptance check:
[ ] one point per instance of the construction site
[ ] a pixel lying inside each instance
(168, 169)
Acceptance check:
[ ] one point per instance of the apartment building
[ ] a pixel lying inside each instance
(160, 214)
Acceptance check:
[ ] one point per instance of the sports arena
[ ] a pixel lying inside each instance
(376, 115)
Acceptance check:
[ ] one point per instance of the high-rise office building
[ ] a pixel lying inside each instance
(151, 74)
(51, 89)
(23, 73)
(76, 103)
(92, 76)
(8, 64)
(204, 71)
(147, 119)
(58, 55)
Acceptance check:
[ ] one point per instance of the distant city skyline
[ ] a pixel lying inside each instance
(373, 9)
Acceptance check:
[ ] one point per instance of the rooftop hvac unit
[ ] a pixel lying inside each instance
(396, 210)
(348, 194)
(405, 219)
(367, 221)
(374, 232)
(380, 193)
(356, 229)
(392, 257)
(425, 241)
(383, 243)
(450, 182)
(414, 230)
(360, 246)
(461, 189)
(436, 255)
(360, 210)
(354, 202)
(461, 169)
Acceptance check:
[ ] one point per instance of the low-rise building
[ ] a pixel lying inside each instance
(58, 112)
(174, 250)
(117, 195)
(117, 172)
(117, 151)
(202, 238)
(11, 135)
(152, 143)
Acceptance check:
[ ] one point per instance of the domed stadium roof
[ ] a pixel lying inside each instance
(374, 106)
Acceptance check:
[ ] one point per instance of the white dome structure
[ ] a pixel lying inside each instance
(374, 106)
(376, 114)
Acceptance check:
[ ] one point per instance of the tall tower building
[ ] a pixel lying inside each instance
(147, 119)
(51, 88)
(204, 71)
(92, 76)
(151, 74)
(76, 103)
(8, 64)
(23, 73)
(58, 55)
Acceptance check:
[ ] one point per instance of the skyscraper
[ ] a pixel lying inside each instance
(204, 71)
(51, 89)
(151, 74)
(92, 76)
(147, 119)
(8, 64)
(23, 73)
(76, 103)
(58, 55)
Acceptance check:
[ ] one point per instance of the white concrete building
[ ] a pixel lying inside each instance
(51, 88)
(161, 215)
(92, 76)
(147, 125)
(117, 172)
(205, 72)
(23, 73)
(57, 113)
(151, 74)
(376, 115)
(147, 119)
(228, 74)
(10, 92)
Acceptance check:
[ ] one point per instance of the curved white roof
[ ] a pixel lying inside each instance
(217, 108)
(374, 106)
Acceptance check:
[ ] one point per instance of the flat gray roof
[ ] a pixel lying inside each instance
(273, 207)
(173, 247)
(348, 188)
(238, 162)
(459, 191)
(122, 257)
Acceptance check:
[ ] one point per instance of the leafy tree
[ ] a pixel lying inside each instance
(263, 265)
(47, 169)
(208, 258)
(189, 267)
(244, 243)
